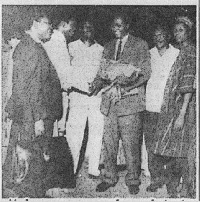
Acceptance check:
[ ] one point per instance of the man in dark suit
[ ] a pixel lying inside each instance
(123, 103)
(36, 100)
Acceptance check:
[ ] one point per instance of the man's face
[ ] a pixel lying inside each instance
(119, 28)
(44, 29)
(69, 29)
(160, 39)
(88, 30)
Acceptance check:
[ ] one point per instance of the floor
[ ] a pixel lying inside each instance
(86, 188)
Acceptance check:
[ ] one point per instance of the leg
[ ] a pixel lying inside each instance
(158, 176)
(149, 127)
(111, 140)
(75, 131)
(185, 167)
(62, 122)
(131, 132)
(96, 124)
(192, 162)
(8, 167)
(48, 126)
(144, 157)
(173, 173)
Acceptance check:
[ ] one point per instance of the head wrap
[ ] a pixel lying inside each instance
(185, 20)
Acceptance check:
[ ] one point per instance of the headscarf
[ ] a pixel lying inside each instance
(185, 20)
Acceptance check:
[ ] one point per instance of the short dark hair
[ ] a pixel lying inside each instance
(89, 20)
(164, 27)
(67, 20)
(119, 15)
(39, 17)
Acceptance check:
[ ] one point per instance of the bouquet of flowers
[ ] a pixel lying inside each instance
(110, 70)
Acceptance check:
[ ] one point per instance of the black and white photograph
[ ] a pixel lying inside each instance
(99, 100)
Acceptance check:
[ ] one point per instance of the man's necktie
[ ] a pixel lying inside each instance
(119, 50)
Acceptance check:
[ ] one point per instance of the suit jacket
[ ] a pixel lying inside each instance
(36, 91)
(135, 52)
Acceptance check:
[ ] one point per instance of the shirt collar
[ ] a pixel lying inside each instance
(124, 39)
(95, 42)
(167, 50)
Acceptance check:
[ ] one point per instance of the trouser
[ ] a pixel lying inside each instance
(130, 129)
(62, 122)
(150, 120)
(176, 168)
(78, 115)
(24, 131)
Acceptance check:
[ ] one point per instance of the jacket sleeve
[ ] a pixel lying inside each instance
(36, 94)
(143, 57)
(186, 84)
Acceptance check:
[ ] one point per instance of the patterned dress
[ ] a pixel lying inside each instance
(171, 142)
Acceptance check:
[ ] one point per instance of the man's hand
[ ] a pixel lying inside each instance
(120, 79)
(39, 127)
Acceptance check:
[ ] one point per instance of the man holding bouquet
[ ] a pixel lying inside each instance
(125, 67)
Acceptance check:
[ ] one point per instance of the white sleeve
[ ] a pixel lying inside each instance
(59, 56)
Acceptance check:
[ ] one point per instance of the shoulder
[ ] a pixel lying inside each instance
(137, 42)
(174, 49)
(99, 47)
(74, 43)
(191, 50)
(110, 44)
(153, 50)
(188, 51)
(26, 48)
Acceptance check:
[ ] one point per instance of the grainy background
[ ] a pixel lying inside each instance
(16, 19)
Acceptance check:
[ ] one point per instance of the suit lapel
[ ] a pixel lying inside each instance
(126, 46)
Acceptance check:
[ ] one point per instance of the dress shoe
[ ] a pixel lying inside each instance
(154, 187)
(133, 189)
(104, 186)
(93, 177)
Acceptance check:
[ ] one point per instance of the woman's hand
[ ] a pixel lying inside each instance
(179, 123)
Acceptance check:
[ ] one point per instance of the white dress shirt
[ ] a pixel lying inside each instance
(59, 55)
(161, 66)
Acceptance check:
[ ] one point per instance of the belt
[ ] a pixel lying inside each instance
(74, 89)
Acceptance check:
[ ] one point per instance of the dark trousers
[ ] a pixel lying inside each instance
(23, 131)
(150, 120)
(129, 128)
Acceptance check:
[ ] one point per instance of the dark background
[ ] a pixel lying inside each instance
(16, 19)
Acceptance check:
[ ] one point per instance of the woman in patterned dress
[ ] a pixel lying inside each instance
(172, 139)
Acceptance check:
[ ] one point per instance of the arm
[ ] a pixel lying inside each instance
(59, 56)
(36, 94)
(186, 101)
(136, 80)
(179, 123)
(186, 88)
(101, 81)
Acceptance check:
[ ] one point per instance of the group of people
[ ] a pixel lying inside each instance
(123, 90)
